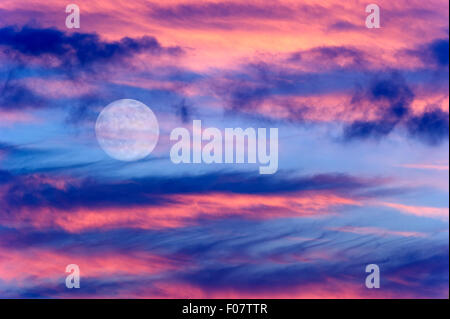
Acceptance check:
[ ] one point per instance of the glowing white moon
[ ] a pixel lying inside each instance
(127, 130)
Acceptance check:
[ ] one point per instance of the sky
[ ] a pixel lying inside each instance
(363, 145)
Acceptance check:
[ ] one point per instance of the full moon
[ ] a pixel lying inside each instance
(127, 130)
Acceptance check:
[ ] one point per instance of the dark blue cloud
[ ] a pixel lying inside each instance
(366, 129)
(391, 99)
(29, 191)
(77, 49)
(75, 52)
(440, 51)
(435, 53)
(432, 126)
(5, 176)
(390, 96)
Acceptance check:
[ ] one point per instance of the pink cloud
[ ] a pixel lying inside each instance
(184, 210)
(423, 211)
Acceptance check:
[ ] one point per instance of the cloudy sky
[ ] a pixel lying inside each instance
(363, 121)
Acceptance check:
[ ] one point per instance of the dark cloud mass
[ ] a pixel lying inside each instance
(77, 49)
(391, 97)
(435, 53)
(432, 126)
(31, 191)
